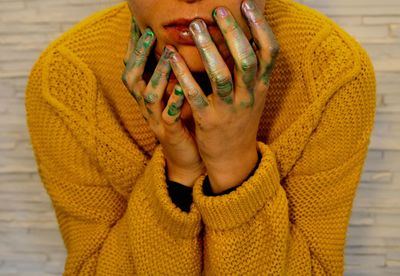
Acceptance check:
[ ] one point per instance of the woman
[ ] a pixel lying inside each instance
(229, 158)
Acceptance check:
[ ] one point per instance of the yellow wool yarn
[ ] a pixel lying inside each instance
(104, 171)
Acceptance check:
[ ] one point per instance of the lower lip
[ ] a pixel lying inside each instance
(182, 35)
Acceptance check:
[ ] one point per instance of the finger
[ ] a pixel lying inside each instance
(216, 68)
(133, 39)
(157, 85)
(240, 48)
(172, 111)
(263, 37)
(134, 69)
(193, 93)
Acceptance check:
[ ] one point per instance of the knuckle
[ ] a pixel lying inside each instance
(139, 51)
(150, 98)
(224, 85)
(249, 63)
(222, 78)
(167, 119)
(232, 28)
(208, 45)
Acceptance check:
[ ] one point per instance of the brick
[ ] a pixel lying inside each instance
(361, 218)
(373, 231)
(347, 20)
(10, 205)
(395, 30)
(383, 143)
(27, 216)
(18, 55)
(5, 177)
(362, 241)
(11, 226)
(387, 219)
(392, 99)
(382, 50)
(381, 128)
(50, 240)
(56, 267)
(365, 250)
(27, 187)
(388, 78)
(11, 6)
(371, 271)
(375, 20)
(25, 266)
(11, 256)
(377, 177)
(387, 117)
(7, 145)
(391, 263)
(366, 260)
(373, 202)
(388, 88)
(23, 28)
(387, 64)
(368, 31)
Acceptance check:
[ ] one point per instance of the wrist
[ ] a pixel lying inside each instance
(232, 171)
(183, 176)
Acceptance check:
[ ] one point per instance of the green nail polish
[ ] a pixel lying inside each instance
(149, 32)
(173, 109)
(179, 91)
(214, 12)
(149, 35)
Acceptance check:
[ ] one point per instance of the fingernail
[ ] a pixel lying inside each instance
(249, 5)
(173, 57)
(179, 91)
(197, 26)
(166, 54)
(175, 108)
(221, 12)
(149, 35)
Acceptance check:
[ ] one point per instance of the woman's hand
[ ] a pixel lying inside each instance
(227, 120)
(184, 164)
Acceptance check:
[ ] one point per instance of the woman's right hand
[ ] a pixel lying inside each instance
(183, 160)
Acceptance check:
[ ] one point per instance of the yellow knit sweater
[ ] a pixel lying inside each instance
(104, 171)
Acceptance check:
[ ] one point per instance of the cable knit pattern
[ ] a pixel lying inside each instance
(105, 172)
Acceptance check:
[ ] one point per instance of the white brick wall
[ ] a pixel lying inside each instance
(30, 243)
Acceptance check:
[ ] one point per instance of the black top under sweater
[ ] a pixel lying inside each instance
(181, 195)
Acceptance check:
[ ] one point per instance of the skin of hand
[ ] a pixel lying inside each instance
(183, 161)
(226, 121)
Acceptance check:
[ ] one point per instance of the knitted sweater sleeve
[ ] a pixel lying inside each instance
(295, 225)
(105, 231)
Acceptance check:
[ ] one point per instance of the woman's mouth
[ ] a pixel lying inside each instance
(178, 31)
(180, 34)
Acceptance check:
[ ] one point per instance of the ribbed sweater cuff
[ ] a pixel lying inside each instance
(239, 206)
(167, 214)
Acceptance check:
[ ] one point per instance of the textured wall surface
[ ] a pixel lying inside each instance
(30, 243)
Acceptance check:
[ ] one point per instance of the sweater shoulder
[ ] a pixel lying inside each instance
(328, 56)
(70, 60)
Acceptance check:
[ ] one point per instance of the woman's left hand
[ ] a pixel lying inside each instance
(227, 120)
